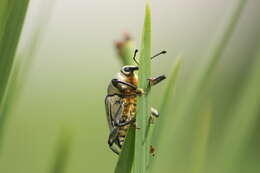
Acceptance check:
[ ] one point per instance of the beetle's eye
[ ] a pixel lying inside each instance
(127, 69)
(114, 82)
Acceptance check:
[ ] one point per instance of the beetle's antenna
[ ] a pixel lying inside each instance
(136, 50)
(134, 58)
(162, 52)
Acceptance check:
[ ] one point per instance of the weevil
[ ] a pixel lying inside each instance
(120, 102)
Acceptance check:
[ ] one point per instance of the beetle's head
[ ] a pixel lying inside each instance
(128, 69)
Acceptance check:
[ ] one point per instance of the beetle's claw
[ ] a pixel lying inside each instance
(135, 126)
(151, 119)
(140, 91)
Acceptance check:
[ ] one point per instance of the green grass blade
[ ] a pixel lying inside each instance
(190, 104)
(245, 116)
(62, 151)
(7, 102)
(126, 156)
(200, 144)
(10, 30)
(169, 93)
(203, 77)
(12, 14)
(166, 101)
(4, 12)
(143, 108)
(21, 67)
(215, 52)
(28, 54)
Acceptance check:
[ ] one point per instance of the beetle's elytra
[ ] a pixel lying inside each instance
(120, 103)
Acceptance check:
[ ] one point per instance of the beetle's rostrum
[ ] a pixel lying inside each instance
(120, 103)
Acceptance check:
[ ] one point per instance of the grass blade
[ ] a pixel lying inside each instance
(168, 95)
(62, 152)
(126, 156)
(200, 144)
(9, 99)
(245, 114)
(200, 84)
(12, 14)
(190, 105)
(169, 92)
(28, 55)
(10, 30)
(143, 108)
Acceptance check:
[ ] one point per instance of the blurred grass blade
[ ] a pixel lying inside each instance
(143, 108)
(62, 152)
(201, 81)
(191, 102)
(166, 101)
(28, 54)
(203, 77)
(21, 67)
(126, 157)
(201, 138)
(221, 43)
(245, 115)
(9, 98)
(169, 93)
(12, 16)
(4, 10)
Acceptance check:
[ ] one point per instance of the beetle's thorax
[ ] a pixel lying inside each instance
(132, 79)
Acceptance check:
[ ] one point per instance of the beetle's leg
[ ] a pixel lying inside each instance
(112, 139)
(118, 143)
(115, 82)
(114, 148)
(121, 124)
(140, 91)
(154, 81)
(154, 114)
(118, 116)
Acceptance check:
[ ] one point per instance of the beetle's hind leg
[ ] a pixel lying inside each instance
(114, 149)
(113, 137)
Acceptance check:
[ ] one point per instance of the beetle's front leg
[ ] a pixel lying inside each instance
(118, 84)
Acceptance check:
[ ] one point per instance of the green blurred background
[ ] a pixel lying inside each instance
(74, 58)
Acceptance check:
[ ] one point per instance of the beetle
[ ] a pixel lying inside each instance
(120, 102)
